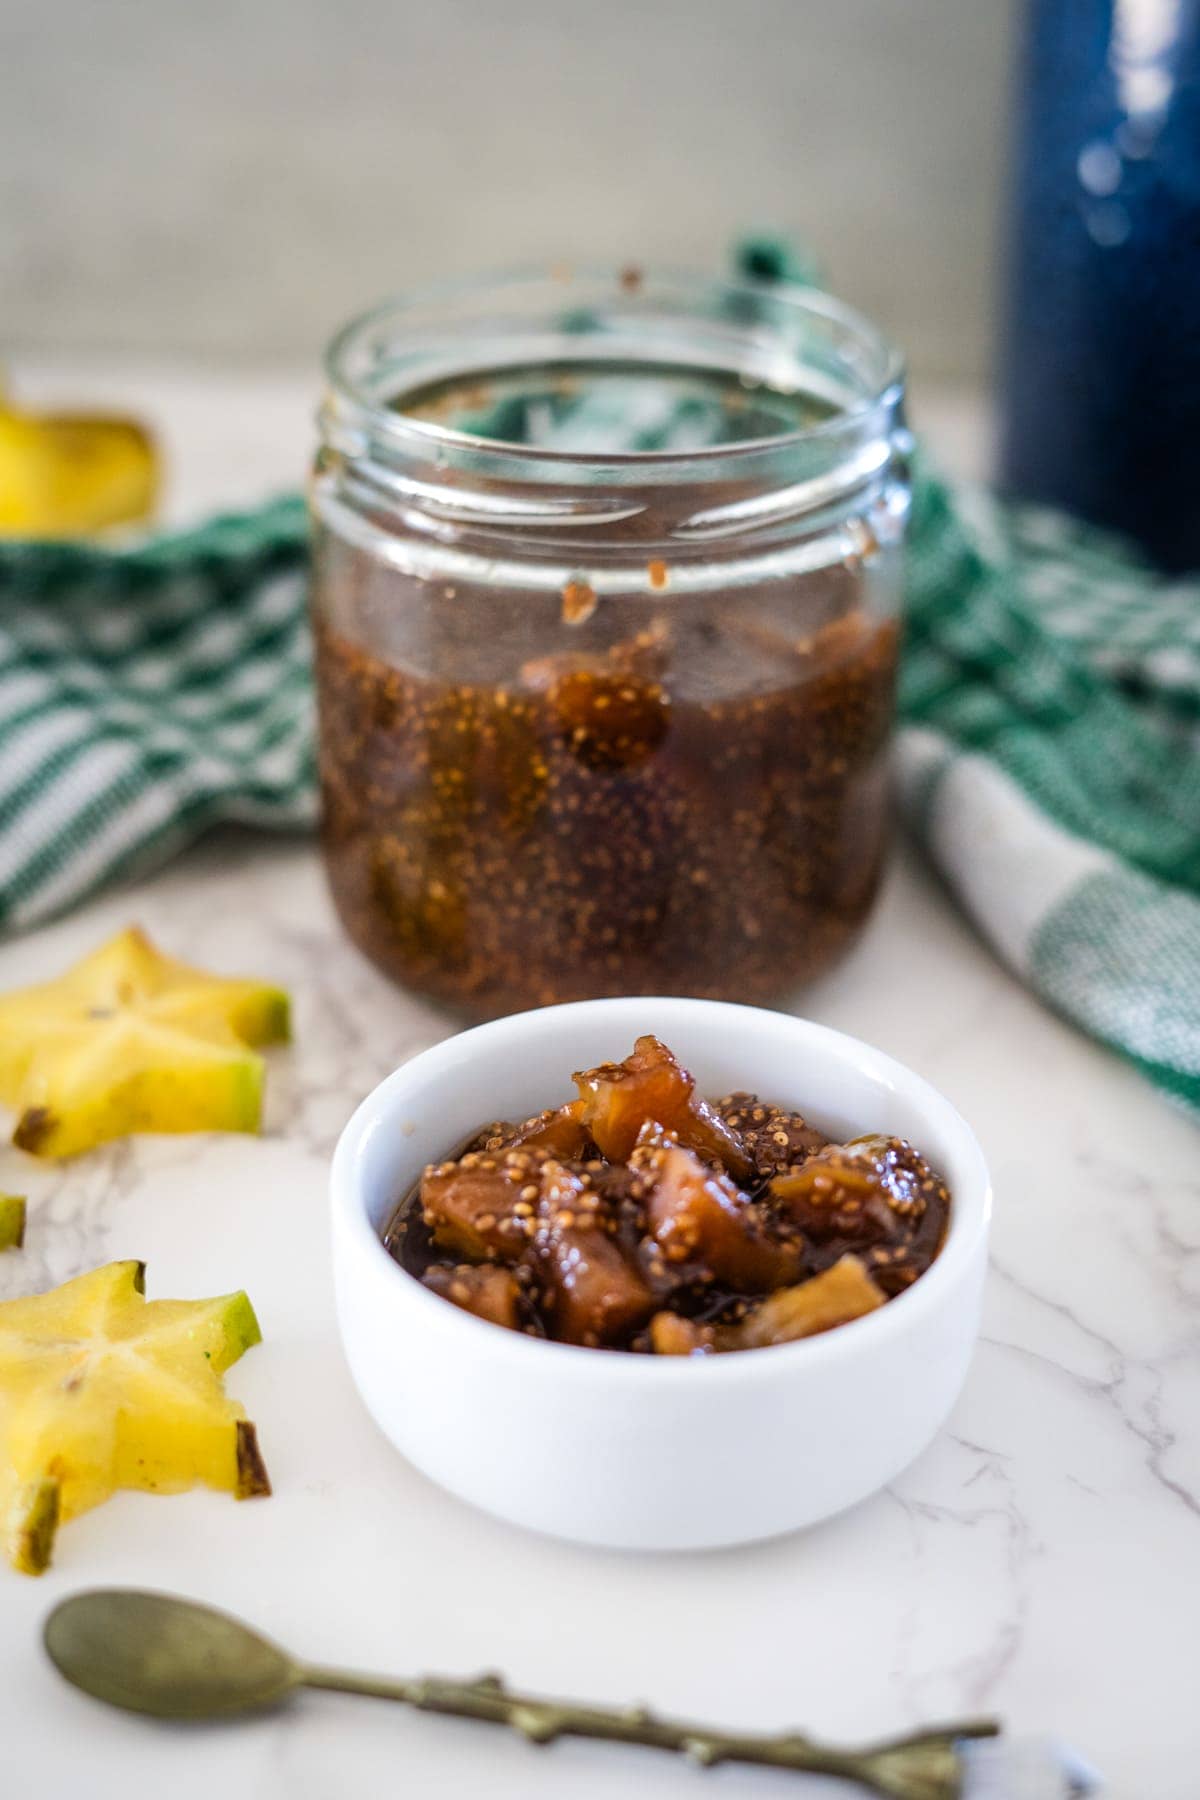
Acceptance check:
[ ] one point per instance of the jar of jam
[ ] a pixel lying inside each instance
(605, 605)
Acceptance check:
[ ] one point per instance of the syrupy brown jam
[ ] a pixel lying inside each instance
(606, 578)
(641, 1217)
(695, 804)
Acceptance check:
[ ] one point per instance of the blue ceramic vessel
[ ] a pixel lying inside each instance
(1100, 359)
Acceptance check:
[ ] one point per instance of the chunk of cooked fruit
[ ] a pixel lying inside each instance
(129, 1040)
(775, 1138)
(559, 1130)
(650, 1087)
(877, 1197)
(609, 722)
(485, 1289)
(12, 1221)
(702, 1226)
(484, 1205)
(672, 1335)
(101, 1389)
(835, 1297)
(591, 1292)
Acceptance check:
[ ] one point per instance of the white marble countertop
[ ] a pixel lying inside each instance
(1041, 1560)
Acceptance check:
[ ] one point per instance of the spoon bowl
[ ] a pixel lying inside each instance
(171, 1658)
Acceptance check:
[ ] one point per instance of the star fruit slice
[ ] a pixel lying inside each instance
(70, 474)
(101, 1389)
(130, 1040)
(12, 1221)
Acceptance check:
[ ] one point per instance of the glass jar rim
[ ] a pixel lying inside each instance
(358, 400)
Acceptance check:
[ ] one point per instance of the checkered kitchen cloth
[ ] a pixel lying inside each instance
(1049, 757)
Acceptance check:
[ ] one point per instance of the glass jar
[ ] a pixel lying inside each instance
(605, 602)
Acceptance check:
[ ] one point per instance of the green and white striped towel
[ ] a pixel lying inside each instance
(146, 695)
(1050, 763)
(1049, 756)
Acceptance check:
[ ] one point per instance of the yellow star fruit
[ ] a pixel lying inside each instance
(69, 474)
(12, 1221)
(130, 1040)
(101, 1389)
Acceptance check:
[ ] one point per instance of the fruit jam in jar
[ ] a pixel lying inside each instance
(605, 603)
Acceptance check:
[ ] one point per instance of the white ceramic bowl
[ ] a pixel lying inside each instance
(641, 1452)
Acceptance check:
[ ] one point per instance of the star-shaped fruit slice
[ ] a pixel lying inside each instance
(101, 1389)
(70, 474)
(12, 1221)
(131, 1040)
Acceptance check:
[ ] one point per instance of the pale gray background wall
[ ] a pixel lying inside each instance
(229, 180)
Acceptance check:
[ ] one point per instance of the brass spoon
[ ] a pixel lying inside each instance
(171, 1658)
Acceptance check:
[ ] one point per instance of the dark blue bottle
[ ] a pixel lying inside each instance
(1100, 358)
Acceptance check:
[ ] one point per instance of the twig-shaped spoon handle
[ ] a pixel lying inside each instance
(152, 1653)
(922, 1766)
